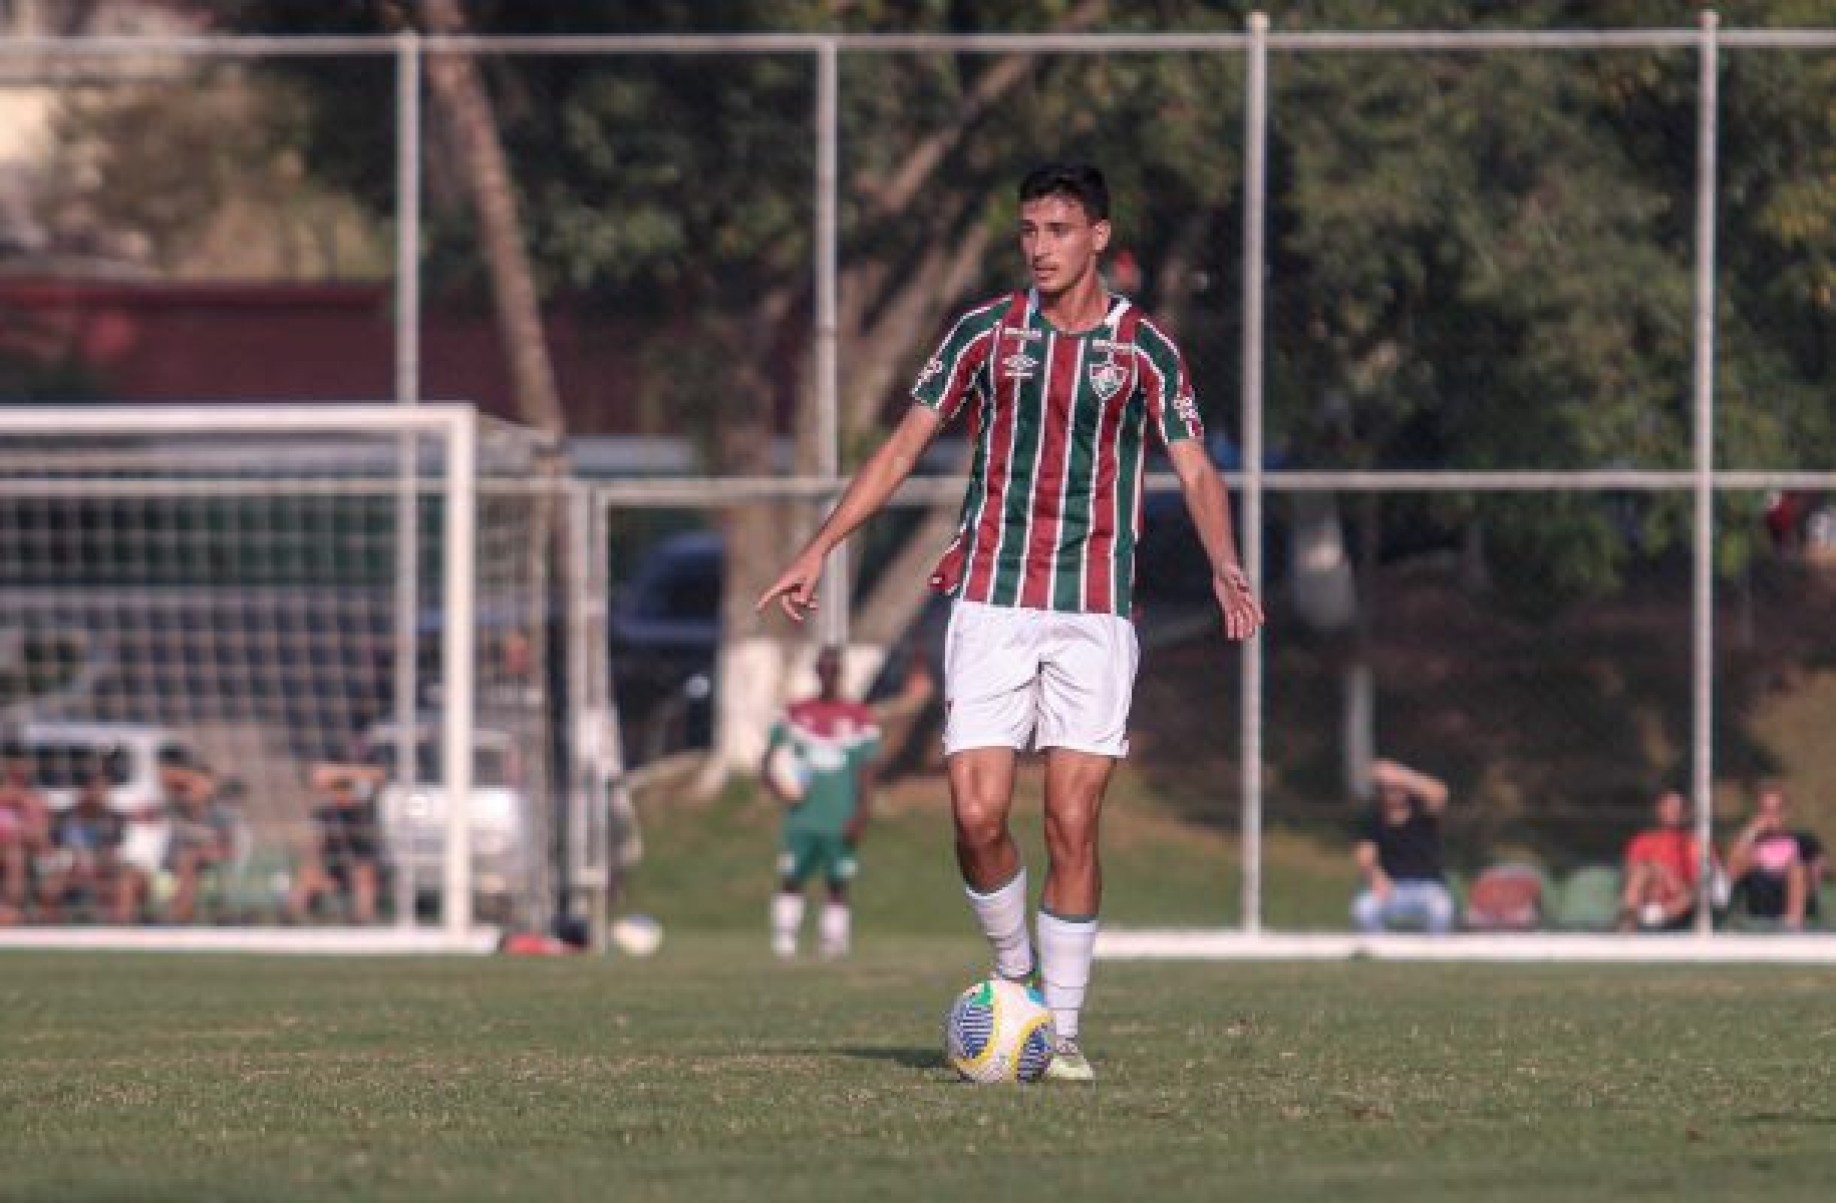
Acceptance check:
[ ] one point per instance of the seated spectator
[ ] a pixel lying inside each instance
(25, 829)
(1399, 854)
(1662, 871)
(1776, 870)
(85, 862)
(345, 857)
(203, 835)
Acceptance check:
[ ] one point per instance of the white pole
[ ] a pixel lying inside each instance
(833, 616)
(407, 392)
(1703, 767)
(456, 668)
(1255, 198)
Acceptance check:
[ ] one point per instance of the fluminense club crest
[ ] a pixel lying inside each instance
(1107, 377)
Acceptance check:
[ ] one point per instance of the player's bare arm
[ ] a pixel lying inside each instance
(877, 480)
(1209, 504)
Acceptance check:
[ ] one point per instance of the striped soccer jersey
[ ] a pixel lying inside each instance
(1053, 509)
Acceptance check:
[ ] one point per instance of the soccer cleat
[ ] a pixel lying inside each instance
(1068, 1062)
(784, 947)
(1030, 979)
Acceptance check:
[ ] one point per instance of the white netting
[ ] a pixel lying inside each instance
(240, 592)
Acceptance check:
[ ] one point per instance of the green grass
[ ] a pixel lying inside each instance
(710, 866)
(711, 1072)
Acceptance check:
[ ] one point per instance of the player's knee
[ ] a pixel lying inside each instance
(980, 824)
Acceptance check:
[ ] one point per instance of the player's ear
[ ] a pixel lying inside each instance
(1099, 234)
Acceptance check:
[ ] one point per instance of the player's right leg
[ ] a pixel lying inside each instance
(795, 855)
(991, 665)
(994, 880)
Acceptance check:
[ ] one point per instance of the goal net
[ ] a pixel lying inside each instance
(271, 589)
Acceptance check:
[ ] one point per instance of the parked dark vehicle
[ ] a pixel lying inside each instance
(664, 634)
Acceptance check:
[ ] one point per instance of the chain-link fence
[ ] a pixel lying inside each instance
(1511, 345)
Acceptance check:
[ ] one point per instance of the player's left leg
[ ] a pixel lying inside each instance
(1074, 786)
(835, 928)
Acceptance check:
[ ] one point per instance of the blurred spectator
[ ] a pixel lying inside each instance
(203, 835)
(1399, 854)
(85, 864)
(1776, 870)
(1662, 871)
(25, 831)
(1788, 515)
(345, 859)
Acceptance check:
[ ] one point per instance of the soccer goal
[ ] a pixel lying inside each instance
(271, 589)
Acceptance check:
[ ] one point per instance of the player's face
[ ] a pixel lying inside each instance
(1060, 242)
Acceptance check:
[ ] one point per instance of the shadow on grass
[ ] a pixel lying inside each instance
(907, 1058)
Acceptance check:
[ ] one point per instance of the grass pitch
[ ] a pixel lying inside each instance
(711, 1072)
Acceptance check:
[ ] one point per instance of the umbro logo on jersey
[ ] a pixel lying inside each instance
(1020, 366)
(930, 371)
(1022, 334)
(1186, 407)
(1107, 378)
(1109, 344)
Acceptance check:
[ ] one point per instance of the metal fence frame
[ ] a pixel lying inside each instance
(71, 58)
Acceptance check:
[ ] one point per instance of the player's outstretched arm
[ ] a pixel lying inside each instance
(1209, 504)
(878, 478)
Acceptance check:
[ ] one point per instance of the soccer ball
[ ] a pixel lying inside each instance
(788, 772)
(637, 935)
(999, 1031)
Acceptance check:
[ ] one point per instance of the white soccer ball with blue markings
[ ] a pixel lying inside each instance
(999, 1031)
(788, 773)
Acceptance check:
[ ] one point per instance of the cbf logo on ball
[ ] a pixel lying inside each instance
(999, 1031)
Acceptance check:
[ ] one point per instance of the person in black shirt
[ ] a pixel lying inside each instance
(346, 855)
(1399, 854)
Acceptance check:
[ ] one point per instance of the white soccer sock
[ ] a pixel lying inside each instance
(786, 919)
(1065, 950)
(835, 925)
(1002, 914)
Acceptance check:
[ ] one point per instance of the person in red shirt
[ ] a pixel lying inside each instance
(1662, 867)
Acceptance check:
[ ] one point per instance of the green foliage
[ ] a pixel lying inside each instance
(1478, 260)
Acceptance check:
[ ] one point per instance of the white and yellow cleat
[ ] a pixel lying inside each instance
(1068, 1062)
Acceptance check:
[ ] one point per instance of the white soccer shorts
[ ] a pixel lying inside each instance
(1014, 676)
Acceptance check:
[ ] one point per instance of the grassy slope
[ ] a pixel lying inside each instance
(712, 1073)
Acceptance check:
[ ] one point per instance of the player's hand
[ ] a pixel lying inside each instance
(851, 834)
(795, 591)
(1242, 612)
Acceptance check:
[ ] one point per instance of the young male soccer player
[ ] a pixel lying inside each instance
(1062, 383)
(834, 740)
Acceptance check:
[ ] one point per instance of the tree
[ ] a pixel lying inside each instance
(1480, 259)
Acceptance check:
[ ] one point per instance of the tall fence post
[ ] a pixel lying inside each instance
(1255, 200)
(832, 618)
(1703, 766)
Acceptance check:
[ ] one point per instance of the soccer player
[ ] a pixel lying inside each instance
(834, 741)
(1062, 383)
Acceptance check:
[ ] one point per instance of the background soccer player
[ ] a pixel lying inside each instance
(1062, 381)
(835, 740)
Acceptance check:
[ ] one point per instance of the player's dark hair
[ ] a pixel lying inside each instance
(1077, 181)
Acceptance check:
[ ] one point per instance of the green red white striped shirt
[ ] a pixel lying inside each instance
(1053, 510)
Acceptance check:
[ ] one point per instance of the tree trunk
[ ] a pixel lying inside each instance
(456, 84)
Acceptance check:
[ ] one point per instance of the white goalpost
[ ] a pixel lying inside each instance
(272, 588)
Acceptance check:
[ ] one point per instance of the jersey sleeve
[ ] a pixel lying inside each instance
(952, 375)
(1167, 386)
